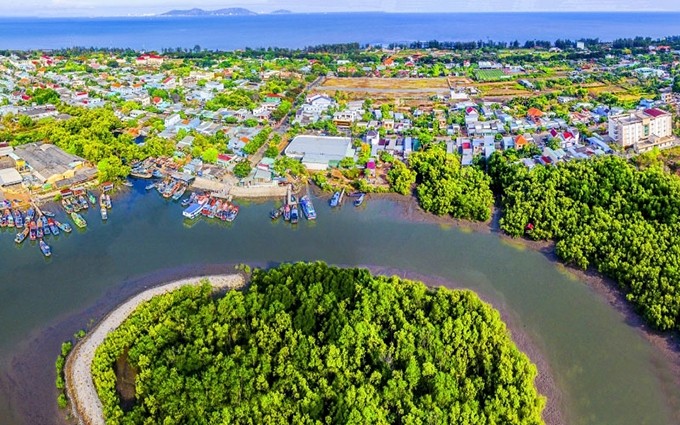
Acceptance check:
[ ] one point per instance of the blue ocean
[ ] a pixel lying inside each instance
(300, 30)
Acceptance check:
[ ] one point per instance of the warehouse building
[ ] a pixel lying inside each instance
(320, 152)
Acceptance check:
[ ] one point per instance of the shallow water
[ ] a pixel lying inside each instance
(604, 369)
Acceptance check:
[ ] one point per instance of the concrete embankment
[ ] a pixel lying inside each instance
(79, 385)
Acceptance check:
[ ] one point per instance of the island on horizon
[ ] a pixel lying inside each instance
(231, 11)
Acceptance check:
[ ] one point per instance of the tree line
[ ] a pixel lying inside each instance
(605, 213)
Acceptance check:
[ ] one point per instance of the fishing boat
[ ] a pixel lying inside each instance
(53, 226)
(294, 214)
(64, 226)
(83, 202)
(48, 214)
(104, 213)
(308, 208)
(150, 186)
(45, 226)
(140, 173)
(78, 220)
(128, 184)
(34, 231)
(186, 202)
(157, 174)
(359, 200)
(286, 212)
(102, 200)
(39, 233)
(232, 213)
(45, 248)
(18, 219)
(67, 206)
(335, 200)
(92, 198)
(179, 193)
(108, 201)
(10, 219)
(30, 214)
(275, 213)
(21, 236)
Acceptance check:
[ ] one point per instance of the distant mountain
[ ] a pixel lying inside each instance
(281, 12)
(231, 11)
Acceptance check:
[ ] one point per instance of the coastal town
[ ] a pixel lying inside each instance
(220, 126)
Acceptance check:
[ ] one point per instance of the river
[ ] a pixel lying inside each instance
(605, 371)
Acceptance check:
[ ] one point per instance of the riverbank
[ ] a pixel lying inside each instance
(666, 344)
(81, 391)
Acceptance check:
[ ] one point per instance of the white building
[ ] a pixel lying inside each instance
(642, 130)
(320, 152)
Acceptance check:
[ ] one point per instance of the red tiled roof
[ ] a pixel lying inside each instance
(655, 112)
(533, 112)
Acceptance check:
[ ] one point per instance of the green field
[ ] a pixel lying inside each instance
(490, 75)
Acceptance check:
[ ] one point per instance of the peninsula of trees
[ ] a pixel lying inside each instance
(309, 343)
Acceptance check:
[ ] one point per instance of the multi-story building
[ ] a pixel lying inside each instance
(642, 130)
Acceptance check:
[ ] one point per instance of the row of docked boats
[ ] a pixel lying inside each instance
(290, 211)
(75, 201)
(38, 225)
(169, 188)
(209, 206)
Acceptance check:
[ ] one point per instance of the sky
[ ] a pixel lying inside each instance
(54, 8)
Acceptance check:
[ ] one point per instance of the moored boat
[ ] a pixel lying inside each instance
(359, 200)
(18, 219)
(21, 236)
(39, 231)
(179, 193)
(53, 226)
(335, 200)
(34, 231)
(128, 184)
(308, 208)
(193, 211)
(48, 214)
(141, 173)
(104, 213)
(232, 213)
(10, 219)
(108, 201)
(294, 214)
(78, 220)
(45, 248)
(92, 198)
(150, 186)
(286, 212)
(83, 202)
(275, 213)
(64, 226)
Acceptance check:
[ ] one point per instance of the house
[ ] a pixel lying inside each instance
(372, 137)
(172, 120)
(9, 177)
(186, 142)
(344, 118)
(273, 98)
(534, 114)
(224, 160)
(522, 141)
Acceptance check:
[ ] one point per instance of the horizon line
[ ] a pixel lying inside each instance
(163, 14)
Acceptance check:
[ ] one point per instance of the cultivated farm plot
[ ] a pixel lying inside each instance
(376, 84)
(490, 74)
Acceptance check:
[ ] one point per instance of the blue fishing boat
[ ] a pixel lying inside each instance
(65, 227)
(335, 200)
(276, 213)
(286, 212)
(30, 214)
(48, 214)
(53, 226)
(294, 214)
(39, 231)
(150, 186)
(45, 226)
(308, 208)
(45, 248)
(157, 174)
(21, 236)
(104, 213)
(18, 219)
(359, 200)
